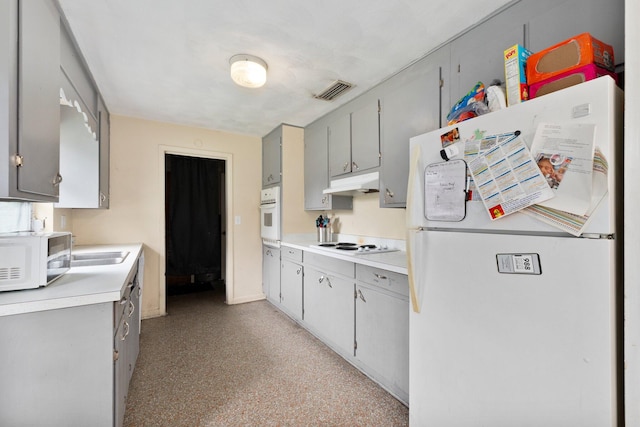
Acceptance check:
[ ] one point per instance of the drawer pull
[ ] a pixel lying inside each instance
(322, 279)
(380, 276)
(361, 296)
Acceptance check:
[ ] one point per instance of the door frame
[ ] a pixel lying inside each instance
(228, 176)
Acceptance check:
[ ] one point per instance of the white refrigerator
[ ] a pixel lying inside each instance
(490, 346)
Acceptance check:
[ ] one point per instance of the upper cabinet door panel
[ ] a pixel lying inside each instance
(339, 134)
(478, 55)
(72, 64)
(410, 107)
(39, 94)
(272, 157)
(560, 20)
(365, 137)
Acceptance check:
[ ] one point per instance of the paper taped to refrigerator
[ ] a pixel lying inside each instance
(445, 188)
(507, 177)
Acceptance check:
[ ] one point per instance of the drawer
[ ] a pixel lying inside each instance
(389, 280)
(291, 253)
(330, 265)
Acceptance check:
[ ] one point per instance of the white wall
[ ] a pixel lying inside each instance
(136, 209)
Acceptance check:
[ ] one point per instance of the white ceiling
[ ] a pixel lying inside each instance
(168, 60)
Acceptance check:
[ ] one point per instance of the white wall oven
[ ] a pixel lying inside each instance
(270, 216)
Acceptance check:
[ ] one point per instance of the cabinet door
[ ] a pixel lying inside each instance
(38, 101)
(410, 107)
(316, 175)
(291, 288)
(271, 157)
(329, 309)
(339, 136)
(382, 337)
(79, 151)
(555, 21)
(271, 273)
(478, 54)
(121, 372)
(104, 139)
(365, 137)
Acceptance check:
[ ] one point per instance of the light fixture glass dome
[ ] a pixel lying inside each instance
(248, 71)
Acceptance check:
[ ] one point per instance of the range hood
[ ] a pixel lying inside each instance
(354, 185)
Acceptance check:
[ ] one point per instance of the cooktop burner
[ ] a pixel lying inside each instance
(354, 248)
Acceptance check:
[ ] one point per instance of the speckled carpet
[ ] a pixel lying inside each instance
(210, 364)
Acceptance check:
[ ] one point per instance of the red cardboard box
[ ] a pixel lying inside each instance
(569, 78)
(569, 55)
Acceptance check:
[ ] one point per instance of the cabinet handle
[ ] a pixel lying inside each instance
(380, 276)
(123, 301)
(325, 200)
(361, 296)
(345, 166)
(126, 331)
(354, 166)
(116, 355)
(389, 193)
(322, 279)
(103, 198)
(132, 308)
(57, 179)
(299, 271)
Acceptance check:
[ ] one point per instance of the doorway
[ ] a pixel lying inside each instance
(195, 224)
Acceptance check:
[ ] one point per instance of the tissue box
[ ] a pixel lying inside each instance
(515, 59)
(567, 56)
(569, 78)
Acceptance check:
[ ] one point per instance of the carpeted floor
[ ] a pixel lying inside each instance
(210, 364)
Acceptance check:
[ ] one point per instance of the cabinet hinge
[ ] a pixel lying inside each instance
(458, 67)
(18, 160)
(355, 345)
(379, 107)
(441, 83)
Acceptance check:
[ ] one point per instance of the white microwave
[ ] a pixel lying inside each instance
(32, 260)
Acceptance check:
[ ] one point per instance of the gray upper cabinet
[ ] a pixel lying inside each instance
(554, 21)
(29, 103)
(410, 107)
(339, 140)
(316, 177)
(84, 156)
(272, 157)
(104, 127)
(478, 54)
(354, 140)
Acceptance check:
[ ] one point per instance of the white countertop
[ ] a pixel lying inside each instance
(79, 286)
(392, 261)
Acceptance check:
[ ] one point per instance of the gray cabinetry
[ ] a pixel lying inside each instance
(552, 21)
(70, 366)
(271, 273)
(104, 127)
(410, 106)
(316, 175)
(478, 54)
(291, 282)
(272, 157)
(354, 140)
(382, 328)
(328, 302)
(29, 100)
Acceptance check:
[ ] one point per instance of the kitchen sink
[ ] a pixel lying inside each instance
(97, 258)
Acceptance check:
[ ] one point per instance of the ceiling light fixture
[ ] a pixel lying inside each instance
(248, 70)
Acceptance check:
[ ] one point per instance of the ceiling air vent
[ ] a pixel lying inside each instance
(334, 91)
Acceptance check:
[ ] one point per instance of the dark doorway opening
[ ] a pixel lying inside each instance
(194, 220)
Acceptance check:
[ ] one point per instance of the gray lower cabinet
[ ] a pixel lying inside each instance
(328, 304)
(70, 366)
(29, 100)
(291, 274)
(271, 273)
(382, 328)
